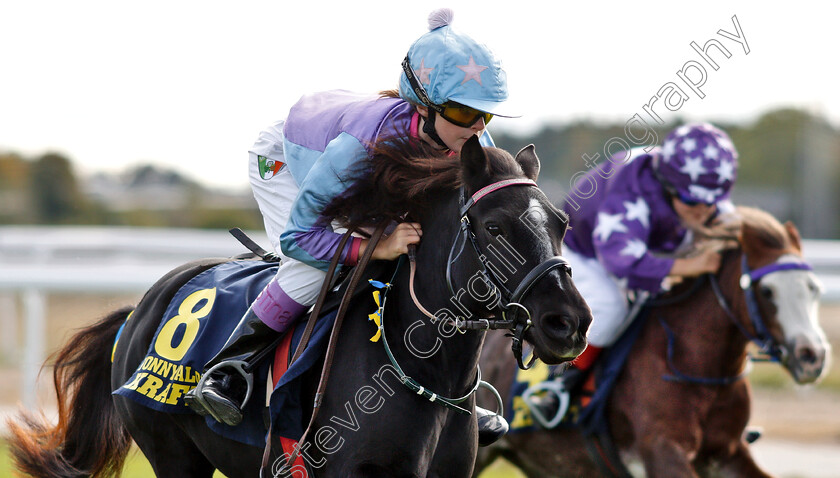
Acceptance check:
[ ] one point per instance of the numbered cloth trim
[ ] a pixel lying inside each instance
(197, 323)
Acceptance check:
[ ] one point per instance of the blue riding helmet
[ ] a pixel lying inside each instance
(451, 66)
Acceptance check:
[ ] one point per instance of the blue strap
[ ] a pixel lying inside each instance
(677, 376)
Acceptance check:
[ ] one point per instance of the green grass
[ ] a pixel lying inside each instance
(136, 466)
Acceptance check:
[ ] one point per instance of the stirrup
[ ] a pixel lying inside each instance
(240, 367)
(549, 386)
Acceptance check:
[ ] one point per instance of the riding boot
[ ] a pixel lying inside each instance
(226, 385)
(491, 426)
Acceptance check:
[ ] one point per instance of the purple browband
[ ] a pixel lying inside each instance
(753, 276)
(785, 266)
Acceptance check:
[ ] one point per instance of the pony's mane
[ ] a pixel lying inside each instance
(749, 224)
(400, 177)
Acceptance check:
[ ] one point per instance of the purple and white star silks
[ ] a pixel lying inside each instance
(638, 211)
(699, 155)
(634, 248)
(607, 225)
(693, 167)
(725, 172)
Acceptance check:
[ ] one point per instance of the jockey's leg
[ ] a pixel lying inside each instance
(225, 389)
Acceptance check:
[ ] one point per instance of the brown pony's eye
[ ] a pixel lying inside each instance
(766, 292)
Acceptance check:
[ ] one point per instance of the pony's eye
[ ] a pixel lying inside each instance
(494, 229)
(766, 292)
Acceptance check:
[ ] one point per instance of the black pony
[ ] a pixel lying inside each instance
(489, 255)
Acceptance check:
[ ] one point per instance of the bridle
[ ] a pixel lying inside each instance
(515, 316)
(769, 348)
(762, 337)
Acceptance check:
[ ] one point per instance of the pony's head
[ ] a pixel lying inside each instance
(786, 291)
(519, 232)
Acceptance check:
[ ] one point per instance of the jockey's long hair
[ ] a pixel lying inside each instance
(398, 179)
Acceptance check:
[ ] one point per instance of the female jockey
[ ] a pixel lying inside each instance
(450, 87)
(625, 236)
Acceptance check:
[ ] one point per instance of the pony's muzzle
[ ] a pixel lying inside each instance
(808, 361)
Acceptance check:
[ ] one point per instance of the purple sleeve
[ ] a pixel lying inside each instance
(621, 236)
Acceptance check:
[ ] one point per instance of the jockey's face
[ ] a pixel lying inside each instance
(453, 136)
(693, 215)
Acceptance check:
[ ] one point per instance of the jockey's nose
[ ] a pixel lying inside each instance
(478, 125)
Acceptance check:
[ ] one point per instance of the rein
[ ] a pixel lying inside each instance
(410, 383)
(359, 269)
(762, 337)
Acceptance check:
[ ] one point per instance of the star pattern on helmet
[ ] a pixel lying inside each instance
(725, 172)
(638, 211)
(472, 71)
(710, 152)
(725, 144)
(607, 225)
(706, 195)
(668, 149)
(423, 72)
(683, 130)
(689, 144)
(635, 248)
(693, 167)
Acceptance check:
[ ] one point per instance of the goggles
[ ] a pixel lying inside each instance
(461, 115)
(691, 202)
(686, 199)
(455, 113)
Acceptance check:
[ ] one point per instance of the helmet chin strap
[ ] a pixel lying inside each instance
(429, 129)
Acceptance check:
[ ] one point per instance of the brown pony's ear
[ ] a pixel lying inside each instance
(474, 163)
(793, 234)
(528, 160)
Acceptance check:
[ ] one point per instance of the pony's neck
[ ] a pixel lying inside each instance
(438, 344)
(733, 341)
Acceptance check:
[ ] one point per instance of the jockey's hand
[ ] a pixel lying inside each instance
(706, 262)
(395, 244)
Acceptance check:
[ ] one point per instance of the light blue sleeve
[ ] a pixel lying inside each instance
(308, 237)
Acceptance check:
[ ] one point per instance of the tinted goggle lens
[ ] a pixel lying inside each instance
(463, 116)
(690, 201)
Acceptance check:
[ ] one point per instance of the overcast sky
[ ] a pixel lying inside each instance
(189, 84)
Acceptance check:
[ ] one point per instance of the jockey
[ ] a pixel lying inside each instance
(450, 88)
(625, 236)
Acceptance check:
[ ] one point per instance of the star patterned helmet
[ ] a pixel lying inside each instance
(698, 163)
(445, 65)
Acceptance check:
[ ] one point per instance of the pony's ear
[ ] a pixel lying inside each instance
(528, 160)
(474, 162)
(793, 234)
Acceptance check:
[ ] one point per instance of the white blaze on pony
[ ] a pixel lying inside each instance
(796, 295)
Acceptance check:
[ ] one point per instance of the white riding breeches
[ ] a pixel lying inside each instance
(604, 295)
(275, 196)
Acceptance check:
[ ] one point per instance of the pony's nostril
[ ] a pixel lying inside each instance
(806, 355)
(559, 324)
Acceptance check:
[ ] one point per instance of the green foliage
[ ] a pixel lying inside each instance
(788, 154)
(773, 150)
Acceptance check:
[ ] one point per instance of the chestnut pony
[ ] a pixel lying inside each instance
(681, 403)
